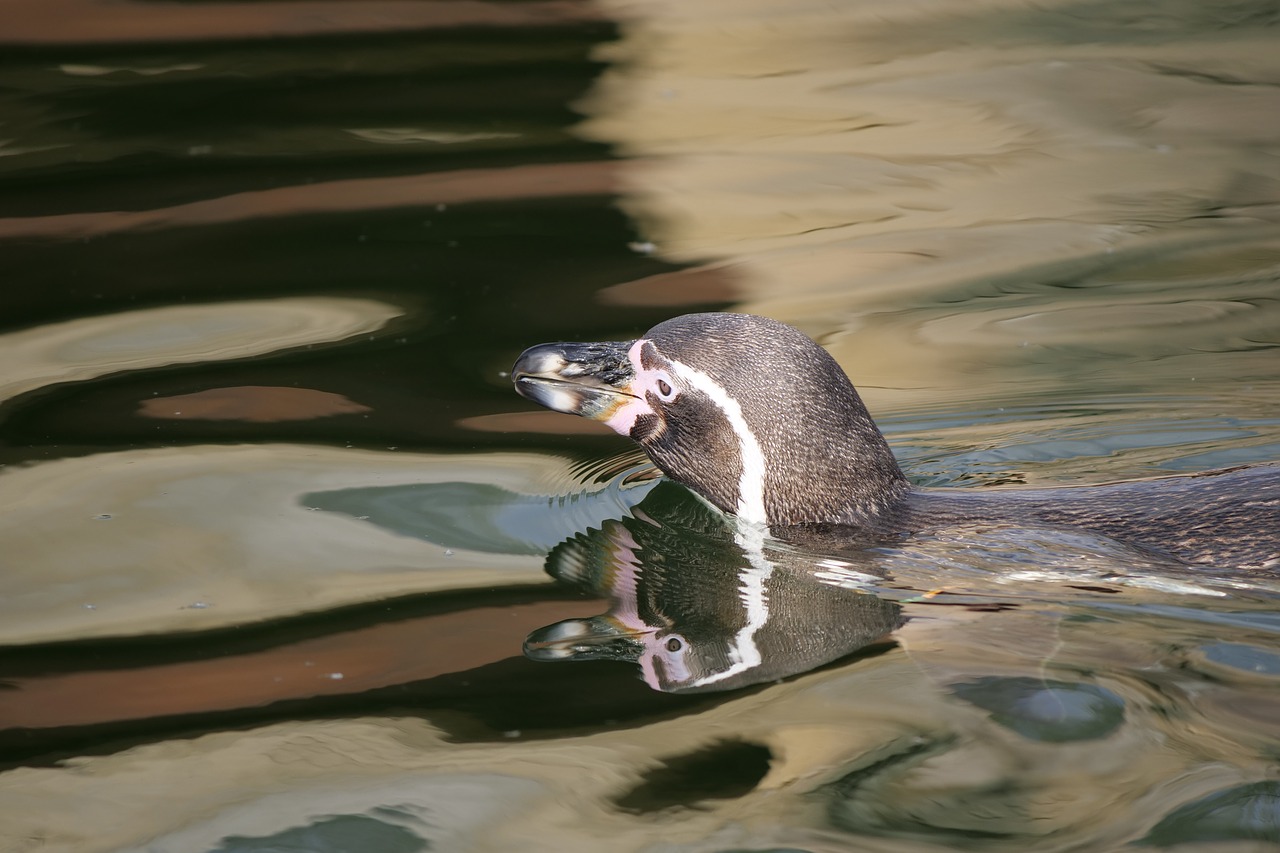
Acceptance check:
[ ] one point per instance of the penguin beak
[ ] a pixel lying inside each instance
(590, 380)
(597, 638)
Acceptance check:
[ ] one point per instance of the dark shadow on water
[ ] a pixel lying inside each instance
(470, 310)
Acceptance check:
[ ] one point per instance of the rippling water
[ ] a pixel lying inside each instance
(286, 565)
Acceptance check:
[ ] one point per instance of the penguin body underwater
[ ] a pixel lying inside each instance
(762, 422)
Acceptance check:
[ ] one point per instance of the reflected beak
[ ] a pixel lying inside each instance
(590, 380)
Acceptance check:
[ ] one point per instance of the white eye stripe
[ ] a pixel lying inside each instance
(751, 481)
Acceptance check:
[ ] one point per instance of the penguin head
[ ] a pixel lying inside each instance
(746, 411)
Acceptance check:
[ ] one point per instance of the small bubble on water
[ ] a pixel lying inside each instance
(448, 552)
(105, 516)
(643, 248)
(335, 676)
(442, 207)
(514, 733)
(198, 605)
(88, 606)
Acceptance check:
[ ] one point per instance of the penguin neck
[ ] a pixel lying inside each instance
(786, 446)
(844, 478)
(804, 464)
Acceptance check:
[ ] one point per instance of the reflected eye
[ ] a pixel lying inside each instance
(664, 390)
(674, 644)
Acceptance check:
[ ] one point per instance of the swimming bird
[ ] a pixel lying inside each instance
(763, 423)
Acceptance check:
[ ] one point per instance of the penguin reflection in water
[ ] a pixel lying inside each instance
(761, 422)
(699, 607)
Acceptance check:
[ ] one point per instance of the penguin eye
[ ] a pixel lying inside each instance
(662, 385)
(674, 644)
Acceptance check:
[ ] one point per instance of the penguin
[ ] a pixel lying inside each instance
(762, 423)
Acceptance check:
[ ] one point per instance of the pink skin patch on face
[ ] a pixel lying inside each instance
(625, 593)
(648, 381)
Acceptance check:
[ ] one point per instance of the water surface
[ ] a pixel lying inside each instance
(285, 563)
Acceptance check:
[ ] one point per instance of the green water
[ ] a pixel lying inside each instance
(285, 564)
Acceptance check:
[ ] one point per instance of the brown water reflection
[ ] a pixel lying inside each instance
(1044, 239)
(254, 403)
(343, 663)
(574, 179)
(92, 21)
